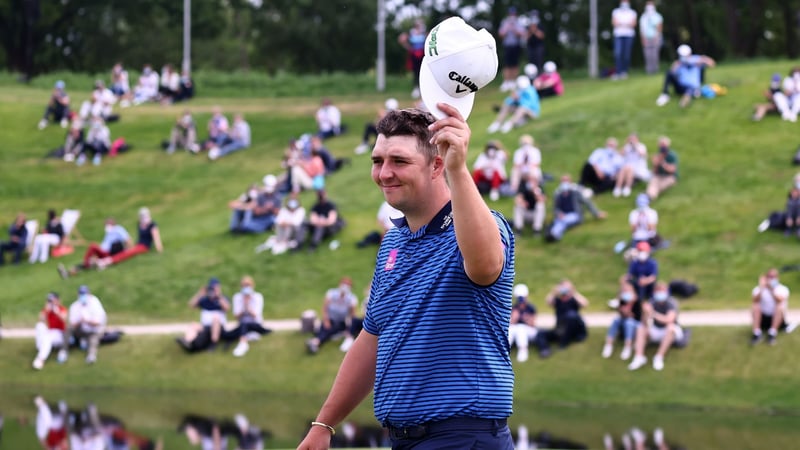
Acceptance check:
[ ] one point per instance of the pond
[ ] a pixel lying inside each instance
(117, 420)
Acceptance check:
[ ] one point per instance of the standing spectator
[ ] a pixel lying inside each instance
(248, 308)
(98, 142)
(659, 324)
(665, 169)
(522, 330)
(685, 76)
(337, 314)
(183, 134)
(87, 321)
(218, 128)
(238, 139)
(527, 160)
(549, 83)
(529, 204)
(149, 237)
(369, 129)
(634, 166)
(642, 272)
(512, 34)
(535, 40)
(17, 240)
(115, 240)
(213, 306)
(522, 104)
(623, 19)
(489, 169)
(57, 107)
(629, 311)
(651, 26)
(414, 43)
(568, 204)
(570, 327)
(52, 235)
(329, 120)
(255, 212)
(323, 221)
(768, 311)
(601, 169)
(51, 331)
(644, 223)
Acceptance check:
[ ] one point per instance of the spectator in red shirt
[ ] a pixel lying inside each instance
(51, 331)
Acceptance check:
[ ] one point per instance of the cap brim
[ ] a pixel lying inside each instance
(432, 94)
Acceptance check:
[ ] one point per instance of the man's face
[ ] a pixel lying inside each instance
(401, 171)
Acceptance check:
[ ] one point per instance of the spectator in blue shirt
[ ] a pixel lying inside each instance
(521, 105)
(642, 272)
(686, 76)
(115, 240)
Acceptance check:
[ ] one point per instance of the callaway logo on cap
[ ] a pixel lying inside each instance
(458, 61)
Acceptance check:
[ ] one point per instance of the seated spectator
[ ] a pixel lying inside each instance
(187, 87)
(774, 87)
(601, 169)
(146, 90)
(634, 166)
(489, 170)
(338, 311)
(665, 169)
(549, 83)
(642, 272)
(149, 237)
(52, 235)
(570, 327)
(792, 212)
(213, 306)
(169, 85)
(787, 99)
(568, 209)
(522, 330)
(218, 129)
(73, 144)
(660, 325)
(386, 214)
(324, 220)
(527, 159)
(644, 223)
(120, 85)
(57, 107)
(332, 164)
(255, 211)
(370, 131)
(305, 171)
(238, 139)
(183, 134)
(289, 227)
(100, 104)
(17, 240)
(768, 311)
(51, 331)
(685, 76)
(248, 308)
(115, 240)
(329, 120)
(529, 204)
(87, 322)
(521, 105)
(629, 311)
(98, 142)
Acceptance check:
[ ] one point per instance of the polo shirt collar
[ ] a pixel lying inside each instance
(439, 224)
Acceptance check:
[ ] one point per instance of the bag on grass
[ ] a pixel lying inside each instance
(682, 288)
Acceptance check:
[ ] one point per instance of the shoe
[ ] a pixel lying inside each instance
(608, 442)
(791, 326)
(613, 303)
(361, 149)
(506, 127)
(658, 363)
(62, 271)
(637, 363)
(312, 346)
(241, 349)
(620, 246)
(42, 124)
(493, 128)
(763, 226)
(69, 157)
(194, 149)
(626, 191)
(494, 195)
(182, 342)
(522, 354)
(415, 93)
(125, 103)
(170, 150)
(279, 248)
(638, 436)
(625, 354)
(587, 192)
(81, 160)
(685, 100)
(755, 338)
(662, 100)
(614, 77)
(658, 437)
(64, 123)
(616, 192)
(62, 356)
(771, 339)
(346, 344)
(213, 154)
(38, 364)
(102, 263)
(608, 349)
(91, 359)
(97, 159)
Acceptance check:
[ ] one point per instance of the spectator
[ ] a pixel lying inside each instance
(527, 160)
(568, 204)
(512, 34)
(98, 142)
(413, 42)
(634, 166)
(329, 120)
(642, 272)
(87, 321)
(57, 107)
(51, 331)
(623, 19)
(323, 221)
(146, 89)
(529, 204)
(387, 214)
(187, 87)
(775, 87)
(522, 330)
(337, 313)
(169, 85)
(651, 25)
(570, 327)
(115, 240)
(644, 223)
(52, 235)
(356, 324)
(289, 227)
(770, 304)
(73, 143)
(213, 306)
(685, 76)
(17, 240)
(331, 163)
(248, 308)
(120, 85)
(629, 311)
(183, 134)
(535, 40)
(787, 100)
(792, 212)
(238, 139)
(601, 169)
(149, 237)
(489, 170)
(549, 83)
(255, 211)
(305, 171)
(522, 104)
(99, 104)
(369, 129)
(218, 128)
(665, 169)
(660, 325)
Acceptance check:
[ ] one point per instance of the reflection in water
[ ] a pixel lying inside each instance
(543, 439)
(636, 439)
(212, 434)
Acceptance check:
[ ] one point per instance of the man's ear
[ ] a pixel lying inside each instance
(438, 166)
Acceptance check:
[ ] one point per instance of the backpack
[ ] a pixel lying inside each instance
(682, 288)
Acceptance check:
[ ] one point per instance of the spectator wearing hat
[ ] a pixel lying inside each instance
(87, 322)
(549, 82)
(115, 240)
(659, 324)
(512, 33)
(644, 222)
(370, 132)
(567, 302)
(489, 169)
(642, 272)
(149, 237)
(685, 75)
(600, 171)
(51, 331)
(521, 105)
(248, 309)
(775, 87)
(255, 211)
(522, 330)
(665, 169)
(338, 311)
(629, 310)
(623, 19)
(329, 120)
(17, 240)
(238, 139)
(569, 202)
(57, 107)
(213, 306)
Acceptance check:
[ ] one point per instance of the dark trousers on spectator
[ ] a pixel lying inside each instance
(590, 179)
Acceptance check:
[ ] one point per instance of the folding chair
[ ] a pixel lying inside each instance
(72, 237)
(33, 227)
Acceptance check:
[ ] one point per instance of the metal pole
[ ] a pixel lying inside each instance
(593, 55)
(380, 69)
(187, 36)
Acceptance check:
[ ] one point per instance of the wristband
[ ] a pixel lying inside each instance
(324, 425)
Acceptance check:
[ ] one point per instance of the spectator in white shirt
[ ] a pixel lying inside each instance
(329, 120)
(623, 19)
(289, 229)
(527, 160)
(644, 222)
(238, 139)
(248, 307)
(600, 171)
(87, 321)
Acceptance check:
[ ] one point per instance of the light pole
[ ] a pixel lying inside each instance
(186, 66)
(593, 68)
(380, 69)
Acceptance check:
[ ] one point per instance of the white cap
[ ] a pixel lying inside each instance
(391, 104)
(521, 290)
(530, 70)
(523, 82)
(270, 181)
(458, 61)
(684, 50)
(549, 67)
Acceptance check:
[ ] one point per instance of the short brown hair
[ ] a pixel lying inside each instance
(410, 122)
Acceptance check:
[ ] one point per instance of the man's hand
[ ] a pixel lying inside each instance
(451, 136)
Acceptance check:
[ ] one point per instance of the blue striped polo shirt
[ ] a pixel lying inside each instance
(442, 340)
